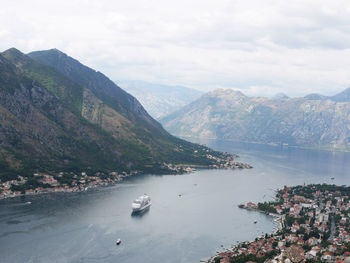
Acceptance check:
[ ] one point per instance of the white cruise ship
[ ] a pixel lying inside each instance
(141, 203)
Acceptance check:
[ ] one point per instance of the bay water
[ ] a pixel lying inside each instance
(192, 215)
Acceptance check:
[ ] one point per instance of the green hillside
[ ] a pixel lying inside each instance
(54, 121)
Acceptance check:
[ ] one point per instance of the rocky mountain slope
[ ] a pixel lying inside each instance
(59, 115)
(229, 114)
(160, 100)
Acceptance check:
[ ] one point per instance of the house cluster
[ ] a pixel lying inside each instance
(227, 162)
(179, 169)
(5, 187)
(314, 227)
(46, 183)
(259, 248)
(224, 161)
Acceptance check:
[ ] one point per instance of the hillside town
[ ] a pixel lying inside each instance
(227, 162)
(40, 183)
(313, 226)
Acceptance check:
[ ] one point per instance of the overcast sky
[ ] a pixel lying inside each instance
(260, 47)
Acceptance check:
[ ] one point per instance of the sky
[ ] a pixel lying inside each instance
(259, 47)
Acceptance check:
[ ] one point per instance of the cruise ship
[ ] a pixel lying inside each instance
(141, 203)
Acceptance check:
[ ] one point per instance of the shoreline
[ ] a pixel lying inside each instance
(312, 226)
(50, 183)
(277, 220)
(66, 190)
(323, 148)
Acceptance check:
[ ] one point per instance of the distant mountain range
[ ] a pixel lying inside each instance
(160, 100)
(59, 115)
(312, 121)
(343, 96)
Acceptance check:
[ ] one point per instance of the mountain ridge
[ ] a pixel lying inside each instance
(226, 114)
(57, 118)
(158, 99)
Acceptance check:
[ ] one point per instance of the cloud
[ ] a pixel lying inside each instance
(259, 47)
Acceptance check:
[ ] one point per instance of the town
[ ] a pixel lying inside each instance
(41, 183)
(227, 162)
(313, 226)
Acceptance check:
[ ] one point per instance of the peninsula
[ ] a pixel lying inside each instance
(314, 226)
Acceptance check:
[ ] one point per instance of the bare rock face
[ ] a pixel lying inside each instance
(228, 114)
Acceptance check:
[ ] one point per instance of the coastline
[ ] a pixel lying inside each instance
(277, 219)
(71, 182)
(83, 188)
(312, 227)
(326, 148)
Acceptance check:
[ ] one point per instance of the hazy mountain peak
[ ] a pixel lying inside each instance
(280, 95)
(343, 96)
(227, 92)
(228, 114)
(159, 99)
(315, 96)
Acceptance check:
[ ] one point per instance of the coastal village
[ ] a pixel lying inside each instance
(227, 162)
(313, 226)
(41, 183)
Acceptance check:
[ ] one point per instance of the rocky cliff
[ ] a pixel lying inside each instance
(228, 114)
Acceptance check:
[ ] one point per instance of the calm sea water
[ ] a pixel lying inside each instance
(83, 227)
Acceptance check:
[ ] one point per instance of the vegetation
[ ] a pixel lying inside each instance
(43, 130)
(267, 207)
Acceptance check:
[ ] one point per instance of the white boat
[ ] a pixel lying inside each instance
(141, 203)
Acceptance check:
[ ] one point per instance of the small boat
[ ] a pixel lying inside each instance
(332, 178)
(255, 222)
(118, 241)
(27, 203)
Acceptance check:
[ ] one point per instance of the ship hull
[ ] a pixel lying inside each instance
(137, 210)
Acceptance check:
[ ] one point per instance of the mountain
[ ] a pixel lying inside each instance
(280, 96)
(343, 96)
(59, 115)
(160, 100)
(230, 115)
(316, 96)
